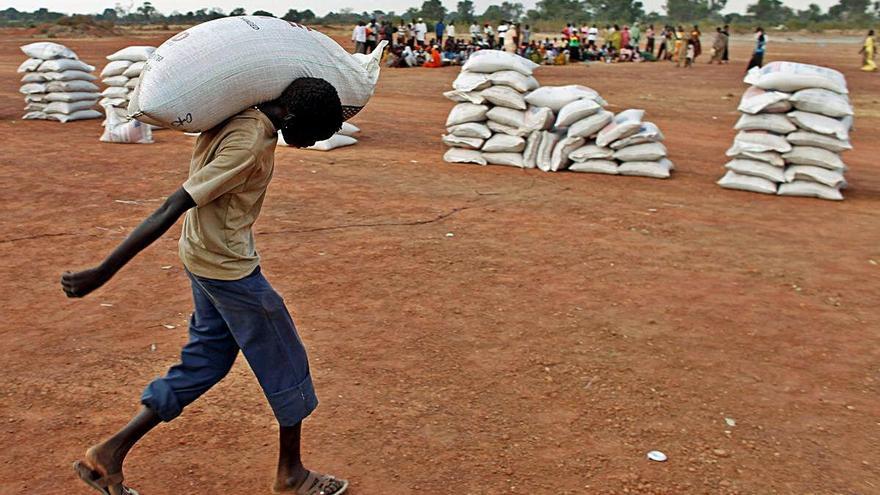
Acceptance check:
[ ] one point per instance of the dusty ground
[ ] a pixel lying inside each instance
(572, 322)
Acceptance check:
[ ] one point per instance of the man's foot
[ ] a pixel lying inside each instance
(310, 483)
(102, 469)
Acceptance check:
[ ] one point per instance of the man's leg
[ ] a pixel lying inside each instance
(204, 361)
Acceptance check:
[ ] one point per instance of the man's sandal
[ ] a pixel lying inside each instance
(322, 484)
(101, 483)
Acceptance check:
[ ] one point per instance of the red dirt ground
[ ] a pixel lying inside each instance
(572, 322)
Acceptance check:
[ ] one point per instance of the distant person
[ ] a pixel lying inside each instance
(439, 31)
(434, 59)
(402, 32)
(593, 37)
(511, 36)
(574, 47)
(475, 32)
(372, 36)
(726, 57)
(421, 32)
(359, 36)
(690, 56)
(663, 49)
(614, 38)
(450, 31)
(757, 59)
(526, 35)
(625, 38)
(695, 39)
(649, 39)
(680, 47)
(868, 53)
(635, 36)
(719, 44)
(489, 35)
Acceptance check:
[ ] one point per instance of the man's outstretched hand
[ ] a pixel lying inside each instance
(80, 284)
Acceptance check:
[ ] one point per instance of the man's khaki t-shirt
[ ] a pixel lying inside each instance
(230, 169)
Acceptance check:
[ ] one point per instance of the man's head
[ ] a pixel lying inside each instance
(309, 111)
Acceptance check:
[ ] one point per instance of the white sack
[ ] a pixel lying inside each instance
(488, 61)
(466, 112)
(465, 96)
(115, 68)
(133, 53)
(510, 159)
(32, 88)
(71, 86)
(462, 142)
(756, 169)
(624, 124)
(779, 107)
(822, 101)
(113, 102)
(591, 152)
(69, 108)
(820, 124)
(34, 77)
(756, 100)
(545, 150)
(118, 81)
(770, 122)
(134, 70)
(556, 97)
(559, 159)
(830, 178)
(115, 92)
(63, 64)
(507, 116)
(470, 130)
(530, 153)
(69, 75)
(504, 97)
(495, 127)
(817, 157)
(733, 180)
(459, 155)
(792, 76)
(503, 143)
(804, 138)
(70, 97)
(120, 130)
(36, 97)
(469, 81)
(35, 107)
(648, 133)
(515, 80)
(335, 141)
(29, 65)
(538, 119)
(133, 82)
(212, 71)
(645, 152)
(595, 166)
(37, 115)
(575, 111)
(78, 115)
(758, 141)
(772, 157)
(591, 125)
(46, 50)
(654, 169)
(810, 189)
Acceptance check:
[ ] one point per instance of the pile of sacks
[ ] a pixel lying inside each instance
(345, 137)
(121, 76)
(795, 123)
(56, 84)
(503, 117)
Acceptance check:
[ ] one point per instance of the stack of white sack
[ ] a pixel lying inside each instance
(345, 137)
(621, 144)
(56, 84)
(795, 123)
(492, 122)
(121, 76)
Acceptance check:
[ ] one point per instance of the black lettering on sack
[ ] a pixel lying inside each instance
(180, 37)
(250, 23)
(181, 121)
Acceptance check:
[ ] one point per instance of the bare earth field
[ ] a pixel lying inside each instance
(570, 323)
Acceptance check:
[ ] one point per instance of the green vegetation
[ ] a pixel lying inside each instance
(547, 14)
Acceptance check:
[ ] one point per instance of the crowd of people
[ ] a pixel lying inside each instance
(411, 45)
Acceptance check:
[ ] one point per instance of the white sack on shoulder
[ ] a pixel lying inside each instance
(459, 155)
(733, 180)
(466, 112)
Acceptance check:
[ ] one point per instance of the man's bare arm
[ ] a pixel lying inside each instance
(79, 284)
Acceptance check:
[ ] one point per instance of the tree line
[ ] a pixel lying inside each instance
(767, 12)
